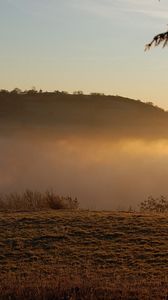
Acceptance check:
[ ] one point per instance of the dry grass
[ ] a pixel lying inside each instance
(31, 201)
(83, 255)
(79, 288)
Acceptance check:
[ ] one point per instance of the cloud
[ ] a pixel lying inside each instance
(100, 8)
(153, 10)
(111, 8)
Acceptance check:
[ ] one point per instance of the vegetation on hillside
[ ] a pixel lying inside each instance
(77, 113)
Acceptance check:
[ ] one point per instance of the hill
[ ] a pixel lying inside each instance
(73, 114)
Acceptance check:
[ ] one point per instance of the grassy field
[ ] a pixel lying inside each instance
(83, 255)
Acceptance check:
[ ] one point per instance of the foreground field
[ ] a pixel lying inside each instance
(83, 255)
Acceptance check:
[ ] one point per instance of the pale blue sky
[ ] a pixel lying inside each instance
(89, 45)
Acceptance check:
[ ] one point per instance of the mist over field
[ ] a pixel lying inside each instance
(103, 174)
(110, 153)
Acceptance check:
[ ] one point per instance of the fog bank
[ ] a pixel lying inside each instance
(103, 173)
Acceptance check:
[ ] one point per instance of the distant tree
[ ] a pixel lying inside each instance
(61, 93)
(96, 94)
(78, 93)
(56, 92)
(16, 91)
(4, 92)
(64, 93)
(150, 103)
(32, 91)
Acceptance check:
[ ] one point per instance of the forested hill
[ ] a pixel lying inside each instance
(78, 113)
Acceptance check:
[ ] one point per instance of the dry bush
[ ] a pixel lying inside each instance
(57, 202)
(30, 200)
(158, 205)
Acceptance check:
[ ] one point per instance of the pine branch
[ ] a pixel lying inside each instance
(161, 38)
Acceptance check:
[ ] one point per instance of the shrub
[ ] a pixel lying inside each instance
(30, 200)
(57, 202)
(159, 205)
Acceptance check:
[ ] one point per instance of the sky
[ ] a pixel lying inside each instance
(88, 45)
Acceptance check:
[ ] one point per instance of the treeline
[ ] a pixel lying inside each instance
(79, 94)
(79, 114)
(34, 91)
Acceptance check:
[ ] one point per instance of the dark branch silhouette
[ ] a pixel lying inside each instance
(161, 38)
